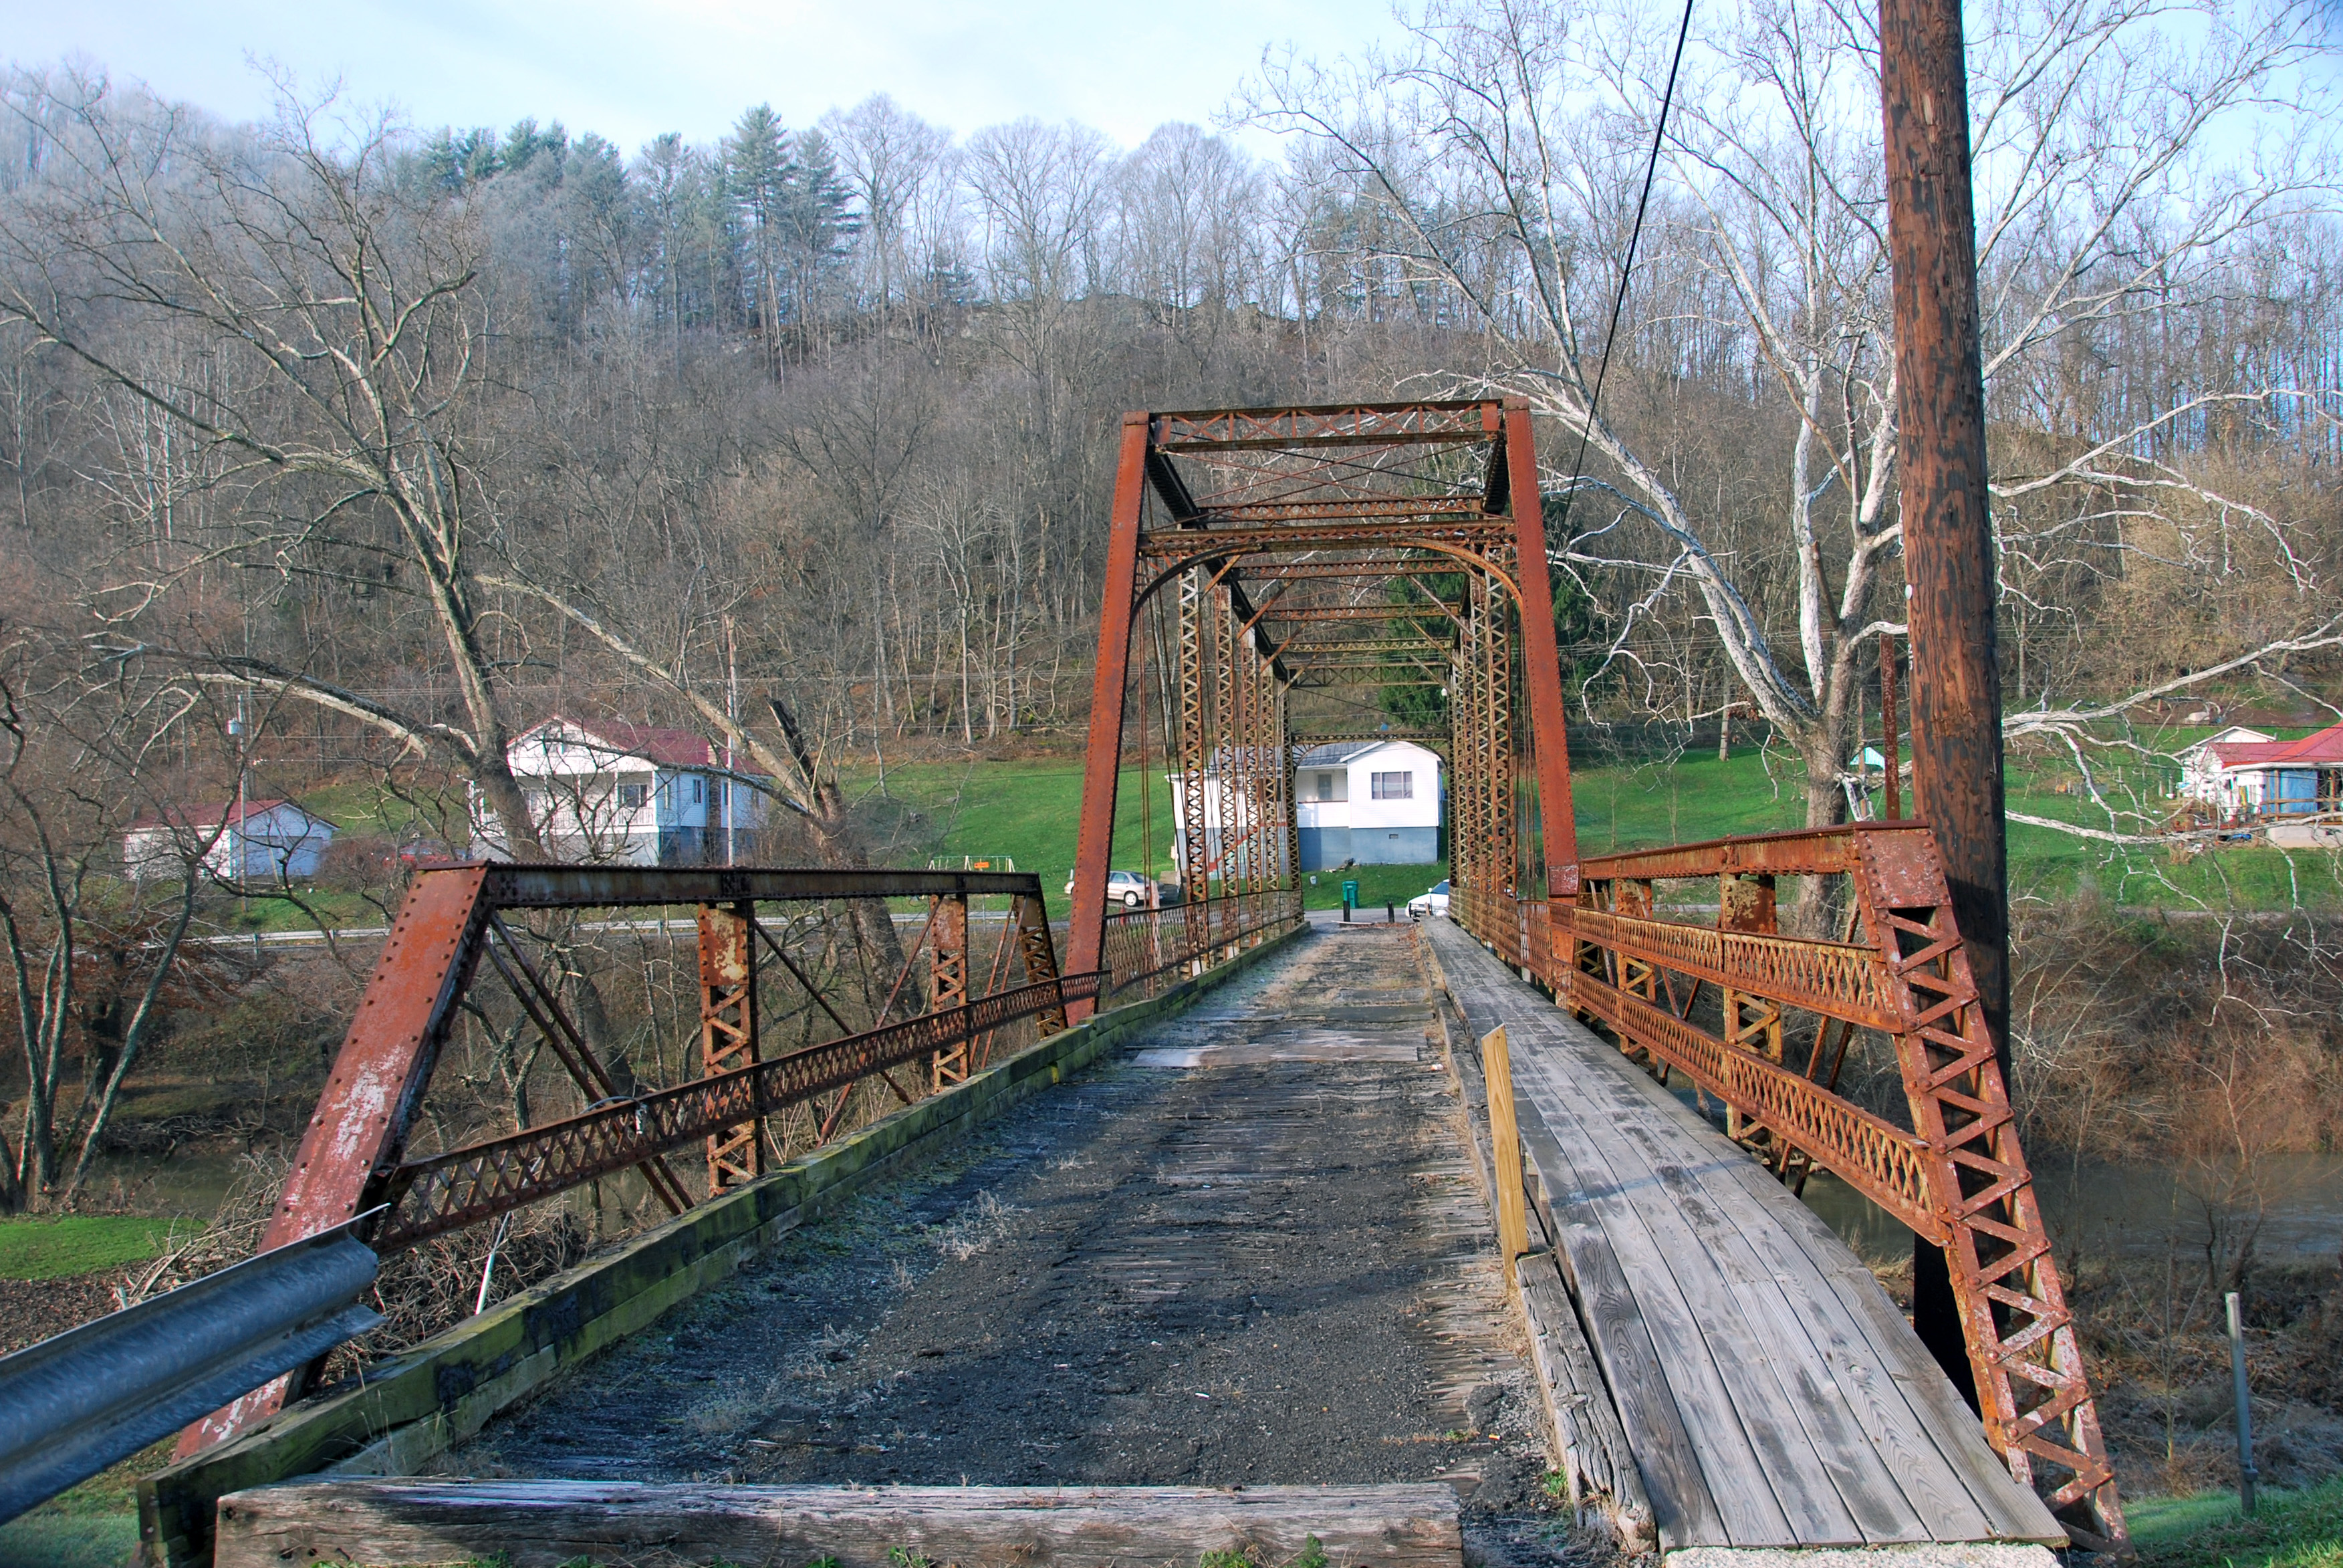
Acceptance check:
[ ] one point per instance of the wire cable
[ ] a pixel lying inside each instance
(1626, 270)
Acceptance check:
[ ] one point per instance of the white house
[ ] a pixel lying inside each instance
(270, 840)
(620, 793)
(2242, 773)
(1375, 802)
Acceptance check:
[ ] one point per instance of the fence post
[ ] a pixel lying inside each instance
(1506, 1150)
(2246, 1474)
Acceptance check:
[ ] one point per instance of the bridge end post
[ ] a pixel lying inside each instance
(1103, 761)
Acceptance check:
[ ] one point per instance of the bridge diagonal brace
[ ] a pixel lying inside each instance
(569, 1048)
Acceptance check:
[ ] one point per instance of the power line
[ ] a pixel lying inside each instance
(1626, 270)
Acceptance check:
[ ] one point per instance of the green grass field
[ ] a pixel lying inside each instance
(1030, 811)
(2288, 1530)
(52, 1247)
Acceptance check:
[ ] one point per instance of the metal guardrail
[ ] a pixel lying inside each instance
(95, 1395)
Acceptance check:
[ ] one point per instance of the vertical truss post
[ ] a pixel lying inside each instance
(1236, 776)
(373, 1092)
(1497, 684)
(1260, 839)
(1746, 902)
(1228, 731)
(1195, 754)
(1103, 761)
(948, 977)
(728, 1033)
(1039, 956)
(1463, 793)
(1289, 802)
(1541, 657)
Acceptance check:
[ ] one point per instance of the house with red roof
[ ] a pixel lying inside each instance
(265, 841)
(2243, 774)
(626, 794)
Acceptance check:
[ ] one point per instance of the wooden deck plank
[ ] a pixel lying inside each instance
(1908, 1406)
(2015, 1512)
(540, 1524)
(1773, 1486)
(1886, 1504)
(1669, 1215)
(1684, 1508)
(1733, 1472)
(1928, 1439)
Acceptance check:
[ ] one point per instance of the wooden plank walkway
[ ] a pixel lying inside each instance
(1772, 1394)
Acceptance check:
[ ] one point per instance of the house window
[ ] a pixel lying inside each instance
(699, 788)
(1393, 787)
(1326, 786)
(631, 797)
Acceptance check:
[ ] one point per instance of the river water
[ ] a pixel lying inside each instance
(2094, 1209)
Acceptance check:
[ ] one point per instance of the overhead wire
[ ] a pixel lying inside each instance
(1627, 267)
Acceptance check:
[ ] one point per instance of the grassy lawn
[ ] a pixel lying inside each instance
(1030, 810)
(54, 1247)
(92, 1526)
(1631, 806)
(2288, 1530)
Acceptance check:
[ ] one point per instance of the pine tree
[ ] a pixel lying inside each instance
(759, 174)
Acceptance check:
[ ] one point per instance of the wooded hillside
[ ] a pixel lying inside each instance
(350, 449)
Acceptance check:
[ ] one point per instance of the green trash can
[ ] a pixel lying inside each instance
(1350, 898)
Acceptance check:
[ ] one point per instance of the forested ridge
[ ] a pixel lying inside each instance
(346, 449)
(423, 435)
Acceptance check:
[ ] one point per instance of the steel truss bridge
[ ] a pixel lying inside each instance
(1261, 557)
(1270, 573)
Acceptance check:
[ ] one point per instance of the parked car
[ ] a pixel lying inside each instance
(1428, 904)
(1130, 889)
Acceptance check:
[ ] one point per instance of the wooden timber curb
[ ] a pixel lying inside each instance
(542, 1523)
(1583, 1431)
(416, 1405)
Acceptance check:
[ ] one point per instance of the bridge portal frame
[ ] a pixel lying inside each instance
(1277, 525)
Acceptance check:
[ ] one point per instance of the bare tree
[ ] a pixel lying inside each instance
(92, 943)
(1502, 150)
(340, 303)
(900, 168)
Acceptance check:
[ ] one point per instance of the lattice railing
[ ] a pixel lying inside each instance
(1148, 951)
(464, 1186)
(1887, 1163)
(1836, 979)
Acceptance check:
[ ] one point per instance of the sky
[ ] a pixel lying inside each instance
(631, 70)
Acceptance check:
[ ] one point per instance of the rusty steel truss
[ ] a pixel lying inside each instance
(353, 1156)
(1300, 549)
(1293, 550)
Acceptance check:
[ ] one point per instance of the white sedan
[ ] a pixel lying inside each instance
(1430, 903)
(1128, 889)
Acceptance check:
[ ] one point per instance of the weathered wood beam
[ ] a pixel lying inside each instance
(542, 1523)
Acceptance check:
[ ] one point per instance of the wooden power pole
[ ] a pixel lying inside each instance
(1948, 558)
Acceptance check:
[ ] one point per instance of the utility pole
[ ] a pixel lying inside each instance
(732, 712)
(239, 847)
(1948, 558)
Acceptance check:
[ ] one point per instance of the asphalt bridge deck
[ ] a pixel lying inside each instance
(1772, 1394)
